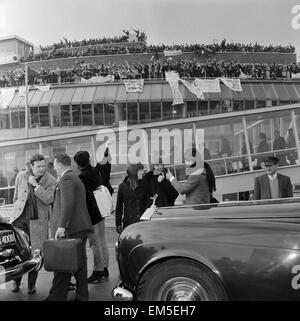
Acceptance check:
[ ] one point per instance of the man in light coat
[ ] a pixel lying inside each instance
(34, 190)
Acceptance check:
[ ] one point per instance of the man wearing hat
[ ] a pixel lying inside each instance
(272, 184)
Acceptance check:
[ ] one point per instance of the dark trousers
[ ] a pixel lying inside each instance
(32, 277)
(23, 223)
(61, 281)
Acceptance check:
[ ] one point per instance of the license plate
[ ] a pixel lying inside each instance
(7, 238)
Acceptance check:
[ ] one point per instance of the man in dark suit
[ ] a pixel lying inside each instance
(70, 219)
(272, 184)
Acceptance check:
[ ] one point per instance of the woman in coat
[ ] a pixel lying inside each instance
(131, 199)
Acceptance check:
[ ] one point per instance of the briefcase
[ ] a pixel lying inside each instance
(63, 255)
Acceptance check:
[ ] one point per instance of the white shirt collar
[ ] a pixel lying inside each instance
(272, 177)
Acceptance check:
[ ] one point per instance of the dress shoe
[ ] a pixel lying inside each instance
(72, 286)
(95, 277)
(31, 291)
(16, 287)
(104, 273)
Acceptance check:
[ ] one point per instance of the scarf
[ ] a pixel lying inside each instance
(31, 200)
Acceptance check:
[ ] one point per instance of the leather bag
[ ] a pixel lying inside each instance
(63, 255)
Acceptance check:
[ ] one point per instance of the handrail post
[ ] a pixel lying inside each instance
(247, 144)
(296, 132)
(26, 100)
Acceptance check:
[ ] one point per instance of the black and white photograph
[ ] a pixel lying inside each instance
(149, 151)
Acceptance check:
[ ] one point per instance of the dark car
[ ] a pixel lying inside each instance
(242, 251)
(16, 255)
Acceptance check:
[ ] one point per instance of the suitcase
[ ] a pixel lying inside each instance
(63, 255)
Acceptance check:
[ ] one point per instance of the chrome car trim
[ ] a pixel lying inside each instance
(149, 212)
(33, 264)
(182, 289)
(121, 294)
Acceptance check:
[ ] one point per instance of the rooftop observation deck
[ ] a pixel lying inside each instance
(242, 57)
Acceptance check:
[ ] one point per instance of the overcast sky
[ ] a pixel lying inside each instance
(169, 21)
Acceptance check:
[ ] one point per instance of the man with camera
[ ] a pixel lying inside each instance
(157, 184)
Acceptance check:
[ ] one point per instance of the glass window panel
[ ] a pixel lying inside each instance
(4, 119)
(223, 139)
(247, 92)
(22, 117)
(238, 105)
(266, 124)
(261, 104)
(226, 106)
(191, 108)
(14, 114)
(297, 88)
(281, 91)
(214, 107)
(87, 115)
(76, 115)
(202, 107)
(98, 111)
(132, 113)
(122, 109)
(249, 104)
(155, 111)
(284, 102)
(65, 115)
(54, 116)
(34, 116)
(259, 91)
(144, 112)
(109, 114)
(292, 91)
(44, 116)
(269, 91)
(178, 111)
(167, 110)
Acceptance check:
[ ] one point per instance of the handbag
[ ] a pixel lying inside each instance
(104, 201)
(63, 255)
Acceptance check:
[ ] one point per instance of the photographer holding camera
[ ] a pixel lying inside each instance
(158, 184)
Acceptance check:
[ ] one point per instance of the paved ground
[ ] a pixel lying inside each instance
(98, 292)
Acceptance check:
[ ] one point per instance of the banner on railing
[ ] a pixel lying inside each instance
(233, 84)
(134, 85)
(193, 88)
(208, 85)
(99, 79)
(200, 86)
(42, 88)
(295, 75)
(169, 53)
(6, 96)
(244, 76)
(172, 78)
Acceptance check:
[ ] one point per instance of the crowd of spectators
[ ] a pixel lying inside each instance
(155, 69)
(111, 46)
(85, 51)
(65, 43)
